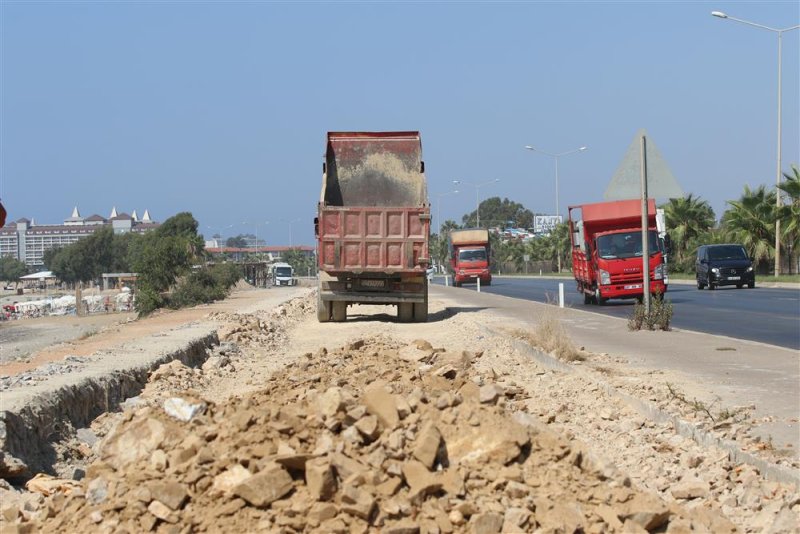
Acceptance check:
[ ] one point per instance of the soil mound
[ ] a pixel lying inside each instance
(374, 436)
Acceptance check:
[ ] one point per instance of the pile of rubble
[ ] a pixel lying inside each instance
(264, 329)
(374, 436)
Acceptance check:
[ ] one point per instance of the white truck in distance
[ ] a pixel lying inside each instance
(282, 275)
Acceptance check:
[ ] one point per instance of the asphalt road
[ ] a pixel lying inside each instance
(761, 314)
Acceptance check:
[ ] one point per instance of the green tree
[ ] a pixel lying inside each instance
(236, 242)
(87, 259)
(496, 212)
(751, 222)
(561, 245)
(789, 215)
(162, 257)
(301, 262)
(686, 219)
(11, 269)
(439, 243)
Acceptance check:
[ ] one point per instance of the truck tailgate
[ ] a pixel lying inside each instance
(373, 239)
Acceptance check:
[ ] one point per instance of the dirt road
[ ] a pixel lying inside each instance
(273, 358)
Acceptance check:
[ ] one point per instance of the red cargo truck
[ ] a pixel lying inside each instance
(469, 256)
(607, 250)
(373, 225)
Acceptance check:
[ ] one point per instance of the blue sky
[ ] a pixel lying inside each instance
(221, 109)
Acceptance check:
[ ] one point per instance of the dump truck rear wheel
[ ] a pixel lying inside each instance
(405, 312)
(339, 311)
(421, 312)
(323, 309)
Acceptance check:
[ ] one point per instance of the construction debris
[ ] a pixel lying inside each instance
(364, 447)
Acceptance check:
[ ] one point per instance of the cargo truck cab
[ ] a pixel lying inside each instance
(607, 258)
(469, 256)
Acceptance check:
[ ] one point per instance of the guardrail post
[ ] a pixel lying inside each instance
(561, 294)
(479, 284)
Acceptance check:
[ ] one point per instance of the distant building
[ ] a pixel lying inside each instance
(272, 253)
(27, 241)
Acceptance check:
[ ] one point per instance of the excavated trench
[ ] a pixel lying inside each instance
(32, 424)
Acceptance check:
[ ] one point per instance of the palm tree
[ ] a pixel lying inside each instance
(790, 215)
(686, 219)
(751, 222)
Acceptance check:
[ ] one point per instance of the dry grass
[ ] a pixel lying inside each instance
(87, 335)
(550, 336)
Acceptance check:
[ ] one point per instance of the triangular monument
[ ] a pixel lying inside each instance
(627, 180)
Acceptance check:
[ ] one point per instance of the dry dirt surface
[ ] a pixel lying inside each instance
(377, 426)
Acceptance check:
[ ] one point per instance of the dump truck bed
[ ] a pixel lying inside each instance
(386, 240)
(370, 169)
(374, 215)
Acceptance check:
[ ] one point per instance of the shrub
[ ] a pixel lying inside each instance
(226, 274)
(659, 318)
(147, 301)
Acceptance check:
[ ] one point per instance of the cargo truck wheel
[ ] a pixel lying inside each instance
(339, 311)
(405, 312)
(323, 310)
(598, 299)
(587, 298)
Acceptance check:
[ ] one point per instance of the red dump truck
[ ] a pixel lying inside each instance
(373, 225)
(607, 250)
(469, 256)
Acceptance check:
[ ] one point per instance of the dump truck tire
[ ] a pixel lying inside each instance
(339, 311)
(421, 309)
(405, 312)
(323, 309)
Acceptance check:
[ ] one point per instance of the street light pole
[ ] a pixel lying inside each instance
(255, 225)
(439, 209)
(477, 201)
(290, 223)
(555, 156)
(778, 202)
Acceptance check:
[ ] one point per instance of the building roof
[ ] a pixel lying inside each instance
(23, 220)
(122, 217)
(216, 250)
(95, 217)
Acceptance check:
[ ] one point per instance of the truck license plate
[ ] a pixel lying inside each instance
(634, 286)
(372, 283)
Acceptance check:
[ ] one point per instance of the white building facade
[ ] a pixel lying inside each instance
(27, 241)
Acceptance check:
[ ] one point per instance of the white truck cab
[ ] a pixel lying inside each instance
(282, 275)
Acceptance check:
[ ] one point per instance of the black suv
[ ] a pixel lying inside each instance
(723, 265)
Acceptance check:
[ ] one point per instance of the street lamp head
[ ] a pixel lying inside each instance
(583, 148)
(456, 181)
(719, 14)
(529, 147)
